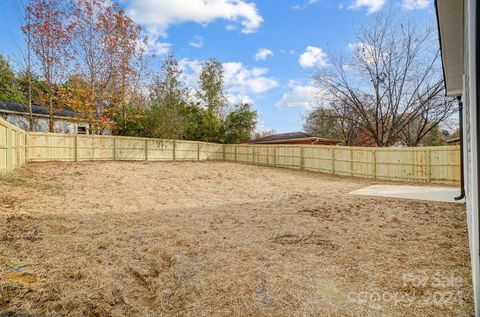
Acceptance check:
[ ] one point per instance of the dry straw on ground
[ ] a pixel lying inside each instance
(220, 239)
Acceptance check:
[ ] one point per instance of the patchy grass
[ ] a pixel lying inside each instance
(17, 180)
(217, 239)
(77, 173)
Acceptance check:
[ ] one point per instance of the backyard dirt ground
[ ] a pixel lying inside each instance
(222, 239)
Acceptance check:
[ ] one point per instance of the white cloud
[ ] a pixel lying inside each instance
(158, 48)
(304, 6)
(154, 46)
(237, 99)
(372, 5)
(289, 52)
(157, 15)
(196, 42)
(299, 96)
(415, 4)
(240, 79)
(263, 54)
(313, 57)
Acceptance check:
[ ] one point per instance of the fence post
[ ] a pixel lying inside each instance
(223, 147)
(429, 166)
(253, 155)
(114, 148)
(75, 148)
(174, 154)
(275, 156)
(17, 149)
(146, 149)
(235, 159)
(198, 151)
(374, 163)
(302, 159)
(27, 153)
(9, 149)
(351, 162)
(333, 160)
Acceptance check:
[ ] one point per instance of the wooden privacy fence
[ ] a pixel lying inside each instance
(70, 147)
(12, 147)
(439, 165)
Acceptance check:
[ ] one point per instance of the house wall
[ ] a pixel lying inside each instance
(41, 124)
(470, 145)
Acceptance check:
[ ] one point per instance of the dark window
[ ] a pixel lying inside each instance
(82, 130)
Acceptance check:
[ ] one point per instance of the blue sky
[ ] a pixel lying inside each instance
(270, 48)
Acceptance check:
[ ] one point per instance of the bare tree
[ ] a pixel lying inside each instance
(392, 81)
(263, 133)
(336, 123)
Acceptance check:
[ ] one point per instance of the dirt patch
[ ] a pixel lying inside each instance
(301, 239)
(24, 278)
(217, 239)
(8, 202)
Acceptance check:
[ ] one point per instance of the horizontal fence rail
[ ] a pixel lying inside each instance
(439, 165)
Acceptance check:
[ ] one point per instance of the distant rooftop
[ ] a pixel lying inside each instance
(36, 110)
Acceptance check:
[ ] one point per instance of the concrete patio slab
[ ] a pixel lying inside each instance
(445, 194)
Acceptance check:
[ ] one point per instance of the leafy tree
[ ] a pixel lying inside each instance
(194, 119)
(126, 47)
(106, 56)
(38, 88)
(167, 117)
(78, 97)
(211, 94)
(172, 114)
(51, 36)
(10, 90)
(240, 124)
(130, 121)
(434, 137)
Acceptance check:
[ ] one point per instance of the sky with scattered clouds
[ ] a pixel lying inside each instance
(269, 48)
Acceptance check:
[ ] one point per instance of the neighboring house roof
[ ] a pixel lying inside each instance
(451, 33)
(453, 141)
(293, 137)
(13, 107)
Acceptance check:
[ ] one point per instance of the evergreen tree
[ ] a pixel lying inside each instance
(10, 89)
